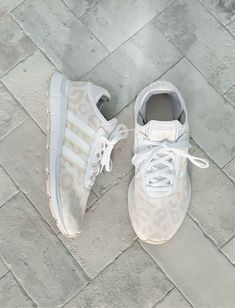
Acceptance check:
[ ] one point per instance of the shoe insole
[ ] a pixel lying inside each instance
(159, 108)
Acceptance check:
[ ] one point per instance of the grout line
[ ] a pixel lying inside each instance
(92, 206)
(8, 199)
(14, 8)
(21, 61)
(211, 240)
(212, 160)
(27, 113)
(120, 46)
(229, 89)
(226, 242)
(13, 129)
(229, 23)
(130, 37)
(214, 16)
(32, 39)
(48, 227)
(18, 283)
(104, 269)
(8, 271)
(88, 30)
(228, 162)
(88, 10)
(133, 99)
(167, 276)
(160, 300)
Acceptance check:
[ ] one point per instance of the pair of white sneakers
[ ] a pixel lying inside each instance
(80, 142)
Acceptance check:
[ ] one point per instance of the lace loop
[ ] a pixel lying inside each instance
(119, 133)
(157, 163)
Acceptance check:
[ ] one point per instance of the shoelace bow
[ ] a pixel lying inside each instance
(162, 154)
(120, 132)
(106, 146)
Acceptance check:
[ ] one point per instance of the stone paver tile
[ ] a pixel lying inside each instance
(198, 269)
(36, 71)
(113, 23)
(7, 187)
(121, 156)
(223, 10)
(61, 35)
(230, 95)
(3, 269)
(229, 250)
(106, 231)
(7, 6)
(80, 7)
(211, 117)
(205, 42)
(229, 169)
(11, 113)
(231, 27)
(14, 44)
(36, 256)
(23, 157)
(209, 206)
(133, 280)
(142, 59)
(173, 300)
(11, 294)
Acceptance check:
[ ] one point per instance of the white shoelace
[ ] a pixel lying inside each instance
(102, 158)
(157, 163)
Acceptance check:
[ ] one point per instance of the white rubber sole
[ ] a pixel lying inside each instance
(56, 121)
(130, 206)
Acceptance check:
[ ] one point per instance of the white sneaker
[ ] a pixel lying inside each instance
(80, 142)
(160, 191)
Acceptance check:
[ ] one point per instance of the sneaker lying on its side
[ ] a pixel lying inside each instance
(80, 142)
(160, 191)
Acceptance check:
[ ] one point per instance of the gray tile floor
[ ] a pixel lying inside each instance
(123, 46)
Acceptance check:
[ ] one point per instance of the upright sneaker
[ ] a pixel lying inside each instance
(80, 142)
(160, 191)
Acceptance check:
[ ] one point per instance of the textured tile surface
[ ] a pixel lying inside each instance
(190, 254)
(188, 42)
(80, 7)
(223, 10)
(24, 156)
(173, 300)
(11, 294)
(145, 57)
(211, 118)
(231, 27)
(107, 231)
(229, 250)
(202, 39)
(132, 281)
(36, 256)
(209, 206)
(62, 37)
(3, 269)
(229, 169)
(129, 17)
(7, 187)
(36, 72)
(11, 114)
(230, 95)
(14, 44)
(7, 6)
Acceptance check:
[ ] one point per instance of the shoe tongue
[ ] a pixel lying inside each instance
(163, 130)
